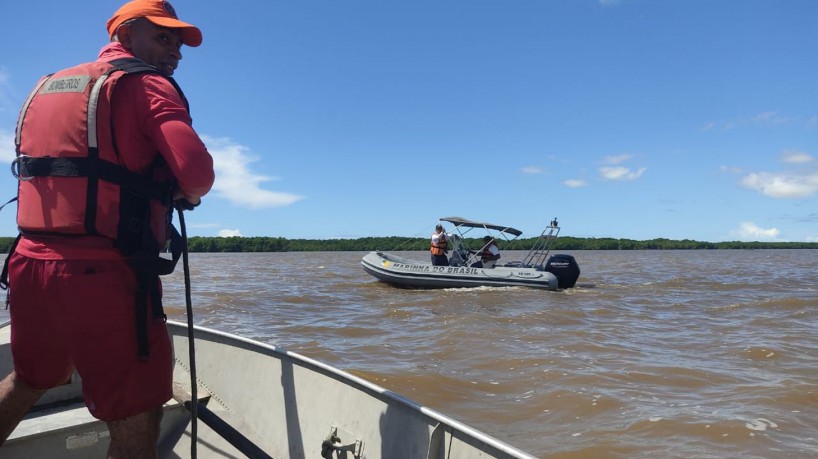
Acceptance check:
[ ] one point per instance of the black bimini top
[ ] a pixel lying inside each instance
(458, 222)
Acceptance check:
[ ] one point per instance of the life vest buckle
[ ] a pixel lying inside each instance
(17, 168)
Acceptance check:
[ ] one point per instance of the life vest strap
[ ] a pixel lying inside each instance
(148, 268)
(30, 167)
(148, 289)
(4, 276)
(132, 65)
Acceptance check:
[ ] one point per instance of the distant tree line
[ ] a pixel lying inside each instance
(395, 243)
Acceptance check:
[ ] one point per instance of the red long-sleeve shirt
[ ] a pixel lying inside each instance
(148, 113)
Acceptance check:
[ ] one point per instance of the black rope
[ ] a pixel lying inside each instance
(192, 352)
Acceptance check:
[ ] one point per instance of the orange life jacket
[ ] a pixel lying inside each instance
(440, 248)
(72, 181)
(486, 254)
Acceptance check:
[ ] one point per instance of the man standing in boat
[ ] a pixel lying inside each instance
(94, 208)
(439, 247)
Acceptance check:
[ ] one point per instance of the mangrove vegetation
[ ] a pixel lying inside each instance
(395, 243)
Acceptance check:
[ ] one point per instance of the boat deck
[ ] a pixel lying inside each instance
(60, 424)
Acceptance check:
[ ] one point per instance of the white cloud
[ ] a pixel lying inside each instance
(616, 159)
(621, 173)
(236, 182)
(574, 183)
(796, 157)
(766, 119)
(751, 231)
(731, 169)
(782, 185)
(772, 118)
(229, 233)
(7, 149)
(532, 170)
(618, 172)
(6, 104)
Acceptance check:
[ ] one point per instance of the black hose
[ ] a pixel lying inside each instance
(192, 352)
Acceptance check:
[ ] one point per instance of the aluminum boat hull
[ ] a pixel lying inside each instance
(277, 403)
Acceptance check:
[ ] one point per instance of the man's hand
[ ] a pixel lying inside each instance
(183, 201)
(184, 204)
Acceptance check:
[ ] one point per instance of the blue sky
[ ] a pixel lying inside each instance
(340, 119)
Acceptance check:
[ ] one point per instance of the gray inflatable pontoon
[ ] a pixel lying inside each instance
(536, 270)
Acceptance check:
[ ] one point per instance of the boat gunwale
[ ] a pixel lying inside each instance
(357, 382)
(390, 398)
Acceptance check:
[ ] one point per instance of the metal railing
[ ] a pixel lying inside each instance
(538, 254)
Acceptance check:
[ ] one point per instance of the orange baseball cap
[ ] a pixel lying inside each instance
(160, 13)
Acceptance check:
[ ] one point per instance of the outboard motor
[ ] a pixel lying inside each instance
(566, 269)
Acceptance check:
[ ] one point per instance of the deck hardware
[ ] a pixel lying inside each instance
(333, 443)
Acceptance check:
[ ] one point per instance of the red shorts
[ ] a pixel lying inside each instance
(68, 314)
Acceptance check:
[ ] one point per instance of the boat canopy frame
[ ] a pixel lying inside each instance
(463, 226)
(537, 256)
(459, 222)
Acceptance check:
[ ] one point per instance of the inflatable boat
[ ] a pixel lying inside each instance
(538, 269)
